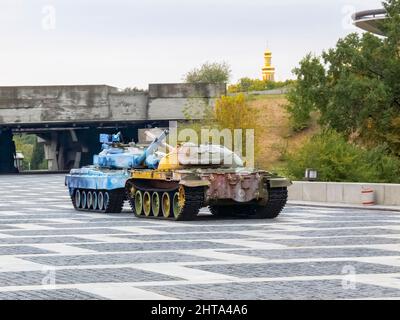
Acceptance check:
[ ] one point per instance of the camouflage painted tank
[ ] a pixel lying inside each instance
(191, 177)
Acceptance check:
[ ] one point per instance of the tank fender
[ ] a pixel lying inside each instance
(194, 183)
(88, 178)
(279, 182)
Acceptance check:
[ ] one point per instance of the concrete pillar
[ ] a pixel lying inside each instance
(51, 151)
(69, 149)
(7, 152)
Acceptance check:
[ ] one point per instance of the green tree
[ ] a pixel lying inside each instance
(38, 161)
(24, 144)
(305, 95)
(214, 73)
(355, 86)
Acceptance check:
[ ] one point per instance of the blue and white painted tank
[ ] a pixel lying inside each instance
(110, 169)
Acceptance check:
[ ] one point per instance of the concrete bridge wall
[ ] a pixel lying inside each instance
(27, 106)
(39, 105)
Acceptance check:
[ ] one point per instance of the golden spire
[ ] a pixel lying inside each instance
(268, 72)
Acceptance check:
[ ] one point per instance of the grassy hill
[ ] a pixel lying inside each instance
(275, 137)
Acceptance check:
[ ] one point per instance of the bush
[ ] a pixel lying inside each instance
(234, 113)
(230, 112)
(338, 160)
(249, 85)
(135, 91)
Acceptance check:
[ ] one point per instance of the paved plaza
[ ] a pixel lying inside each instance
(50, 251)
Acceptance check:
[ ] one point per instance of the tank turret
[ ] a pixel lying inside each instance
(117, 155)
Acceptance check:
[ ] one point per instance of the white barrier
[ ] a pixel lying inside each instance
(346, 193)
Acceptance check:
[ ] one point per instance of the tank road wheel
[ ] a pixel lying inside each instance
(155, 204)
(276, 202)
(90, 200)
(106, 200)
(94, 200)
(77, 199)
(147, 204)
(176, 207)
(100, 201)
(166, 205)
(139, 203)
(187, 203)
(83, 200)
(178, 203)
(130, 192)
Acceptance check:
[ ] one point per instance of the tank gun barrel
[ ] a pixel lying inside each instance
(151, 148)
(164, 144)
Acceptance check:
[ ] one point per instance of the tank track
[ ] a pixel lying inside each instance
(194, 201)
(276, 202)
(113, 205)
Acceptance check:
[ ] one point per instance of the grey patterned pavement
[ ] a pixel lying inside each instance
(50, 251)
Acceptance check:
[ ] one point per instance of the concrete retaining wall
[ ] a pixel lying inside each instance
(346, 193)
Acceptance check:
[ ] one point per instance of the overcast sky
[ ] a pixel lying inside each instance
(132, 43)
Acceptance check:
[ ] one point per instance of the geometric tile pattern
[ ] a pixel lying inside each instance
(70, 276)
(277, 290)
(49, 251)
(62, 294)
